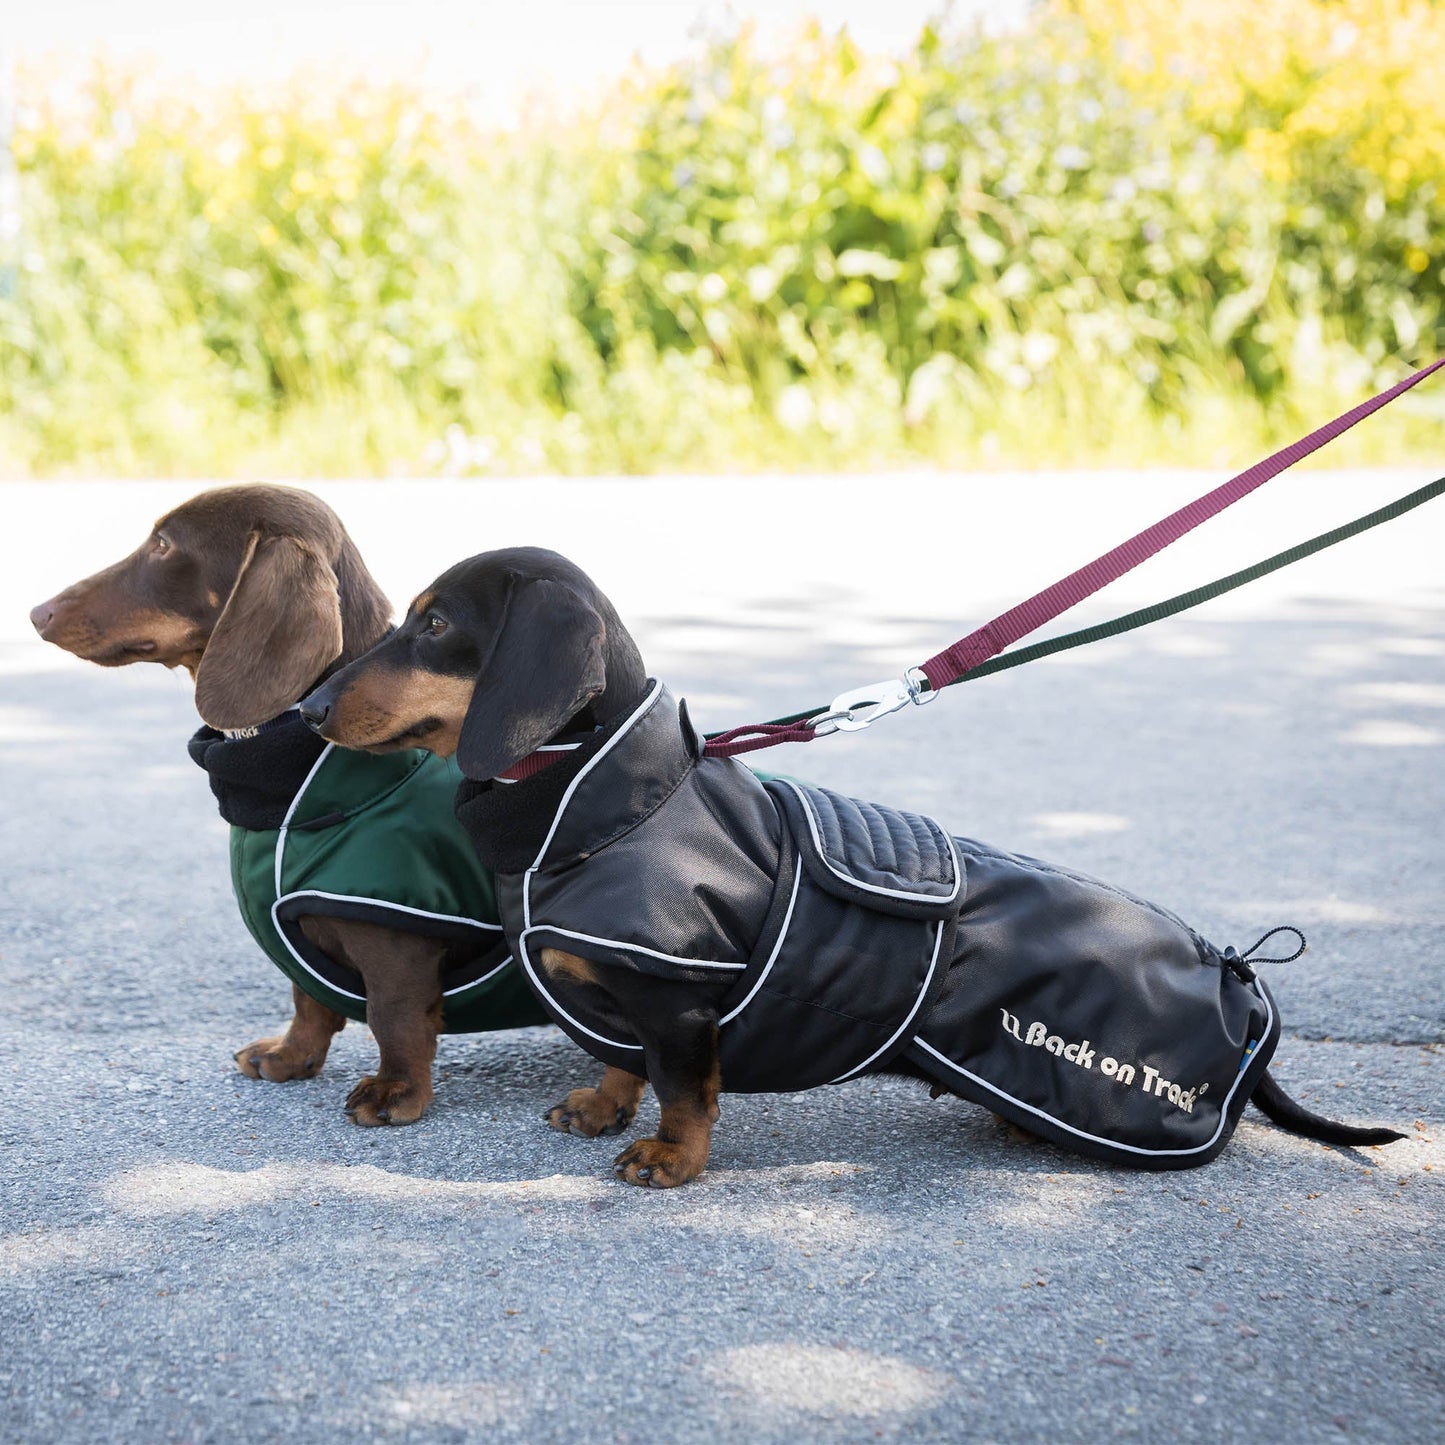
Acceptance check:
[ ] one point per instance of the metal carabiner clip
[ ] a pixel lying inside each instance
(859, 707)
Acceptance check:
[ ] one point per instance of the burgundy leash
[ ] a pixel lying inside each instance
(855, 710)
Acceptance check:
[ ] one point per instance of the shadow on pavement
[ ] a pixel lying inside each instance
(188, 1254)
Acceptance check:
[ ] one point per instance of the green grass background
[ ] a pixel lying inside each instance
(1033, 249)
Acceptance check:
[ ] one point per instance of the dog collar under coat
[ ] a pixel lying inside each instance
(547, 756)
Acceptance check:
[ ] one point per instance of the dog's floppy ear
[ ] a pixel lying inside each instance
(547, 662)
(279, 629)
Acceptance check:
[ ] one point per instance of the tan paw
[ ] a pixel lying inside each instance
(377, 1101)
(279, 1059)
(654, 1164)
(590, 1112)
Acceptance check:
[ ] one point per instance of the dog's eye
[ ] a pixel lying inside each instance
(160, 545)
(435, 625)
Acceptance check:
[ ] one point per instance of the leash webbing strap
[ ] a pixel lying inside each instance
(991, 639)
(977, 654)
(1185, 600)
(794, 727)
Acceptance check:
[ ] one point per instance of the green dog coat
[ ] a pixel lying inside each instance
(317, 830)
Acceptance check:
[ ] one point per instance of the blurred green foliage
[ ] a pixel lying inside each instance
(1009, 250)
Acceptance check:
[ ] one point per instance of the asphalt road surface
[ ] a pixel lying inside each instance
(188, 1255)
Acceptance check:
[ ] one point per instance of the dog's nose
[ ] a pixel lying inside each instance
(314, 713)
(40, 617)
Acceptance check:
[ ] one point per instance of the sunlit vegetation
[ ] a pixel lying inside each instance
(1168, 231)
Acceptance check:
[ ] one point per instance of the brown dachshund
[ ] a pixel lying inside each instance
(258, 592)
(681, 926)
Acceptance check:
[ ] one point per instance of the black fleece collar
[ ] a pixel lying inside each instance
(255, 778)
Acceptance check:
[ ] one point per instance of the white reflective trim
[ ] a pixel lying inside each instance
(545, 748)
(286, 821)
(912, 1013)
(490, 974)
(532, 973)
(395, 907)
(542, 989)
(351, 898)
(632, 947)
(334, 987)
(777, 947)
(873, 887)
(1095, 1138)
(377, 903)
(591, 763)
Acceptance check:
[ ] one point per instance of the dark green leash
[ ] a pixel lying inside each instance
(863, 706)
(1185, 600)
(1174, 605)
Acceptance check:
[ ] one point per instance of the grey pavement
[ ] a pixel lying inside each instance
(188, 1255)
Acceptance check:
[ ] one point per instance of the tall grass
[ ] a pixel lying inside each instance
(1074, 245)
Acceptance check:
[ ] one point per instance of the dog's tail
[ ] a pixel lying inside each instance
(1273, 1101)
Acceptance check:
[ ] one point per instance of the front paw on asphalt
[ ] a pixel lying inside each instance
(375, 1101)
(654, 1164)
(276, 1060)
(587, 1114)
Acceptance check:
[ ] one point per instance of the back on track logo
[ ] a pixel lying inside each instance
(1151, 1081)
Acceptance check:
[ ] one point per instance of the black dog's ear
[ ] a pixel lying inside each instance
(546, 664)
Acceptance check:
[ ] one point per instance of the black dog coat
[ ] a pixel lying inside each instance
(855, 935)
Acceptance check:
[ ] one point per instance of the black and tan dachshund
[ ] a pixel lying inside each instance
(650, 950)
(259, 593)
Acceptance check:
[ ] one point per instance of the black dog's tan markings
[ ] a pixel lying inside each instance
(390, 708)
(568, 965)
(607, 1109)
(689, 1110)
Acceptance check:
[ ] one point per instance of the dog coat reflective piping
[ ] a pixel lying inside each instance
(319, 830)
(853, 936)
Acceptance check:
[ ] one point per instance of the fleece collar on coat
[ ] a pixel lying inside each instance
(620, 775)
(255, 778)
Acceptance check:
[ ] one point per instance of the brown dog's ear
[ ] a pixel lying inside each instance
(547, 662)
(279, 629)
